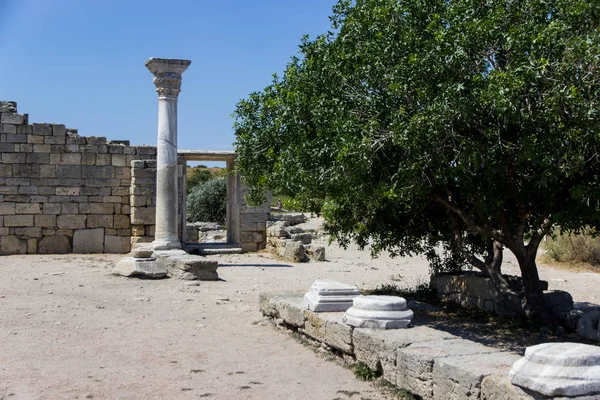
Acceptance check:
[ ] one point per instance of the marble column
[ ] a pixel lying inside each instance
(167, 78)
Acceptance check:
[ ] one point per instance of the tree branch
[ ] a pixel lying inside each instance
(471, 225)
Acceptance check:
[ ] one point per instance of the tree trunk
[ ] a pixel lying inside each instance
(533, 302)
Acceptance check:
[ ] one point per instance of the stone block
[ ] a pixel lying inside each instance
(88, 159)
(76, 221)
(70, 159)
(5, 171)
(88, 241)
(28, 208)
(494, 387)
(196, 267)
(415, 362)
(588, 326)
(24, 147)
(117, 244)
(8, 106)
(121, 222)
(42, 148)
(140, 267)
(59, 130)
(35, 139)
(330, 329)
(47, 171)
(378, 348)
(38, 158)
(12, 245)
(68, 171)
(27, 129)
(45, 220)
(9, 129)
(42, 129)
(143, 215)
(51, 208)
(55, 140)
(96, 208)
(70, 208)
(18, 220)
(29, 232)
(7, 208)
(460, 377)
(13, 118)
(16, 138)
(99, 221)
(26, 170)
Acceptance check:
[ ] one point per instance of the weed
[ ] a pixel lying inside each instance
(364, 373)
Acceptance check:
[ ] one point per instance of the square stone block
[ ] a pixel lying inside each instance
(88, 241)
(117, 244)
(460, 377)
(329, 328)
(415, 362)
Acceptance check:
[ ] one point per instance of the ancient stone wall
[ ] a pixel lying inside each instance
(253, 222)
(61, 192)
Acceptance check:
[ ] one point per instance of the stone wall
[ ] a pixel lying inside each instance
(253, 222)
(473, 290)
(61, 192)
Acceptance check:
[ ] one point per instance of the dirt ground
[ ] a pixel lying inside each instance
(71, 330)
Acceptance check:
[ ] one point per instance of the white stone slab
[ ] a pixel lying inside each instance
(378, 312)
(326, 295)
(140, 267)
(559, 369)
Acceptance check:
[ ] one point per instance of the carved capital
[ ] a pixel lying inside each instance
(167, 74)
(168, 84)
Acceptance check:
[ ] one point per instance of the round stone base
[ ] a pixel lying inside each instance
(378, 312)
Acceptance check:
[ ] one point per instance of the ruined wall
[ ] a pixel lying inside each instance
(253, 222)
(61, 192)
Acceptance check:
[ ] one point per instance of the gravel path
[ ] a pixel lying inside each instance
(71, 330)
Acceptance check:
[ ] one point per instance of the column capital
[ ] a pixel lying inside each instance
(167, 74)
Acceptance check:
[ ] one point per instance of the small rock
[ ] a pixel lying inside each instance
(588, 325)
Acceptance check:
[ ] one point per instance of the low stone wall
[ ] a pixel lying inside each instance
(473, 290)
(61, 192)
(430, 363)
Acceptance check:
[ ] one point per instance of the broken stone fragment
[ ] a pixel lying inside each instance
(140, 267)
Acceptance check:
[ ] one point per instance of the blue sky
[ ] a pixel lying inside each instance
(81, 62)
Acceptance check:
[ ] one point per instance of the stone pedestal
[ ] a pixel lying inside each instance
(167, 78)
(559, 369)
(329, 296)
(378, 312)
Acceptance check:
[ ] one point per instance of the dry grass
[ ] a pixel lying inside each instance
(571, 266)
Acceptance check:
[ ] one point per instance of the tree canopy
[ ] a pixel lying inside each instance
(474, 124)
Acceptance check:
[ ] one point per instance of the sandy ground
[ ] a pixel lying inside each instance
(71, 330)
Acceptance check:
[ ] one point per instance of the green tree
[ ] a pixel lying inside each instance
(474, 124)
(207, 202)
(198, 177)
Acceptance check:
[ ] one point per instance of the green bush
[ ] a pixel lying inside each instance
(583, 247)
(207, 202)
(198, 177)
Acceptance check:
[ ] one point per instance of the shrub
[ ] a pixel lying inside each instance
(198, 177)
(207, 202)
(571, 247)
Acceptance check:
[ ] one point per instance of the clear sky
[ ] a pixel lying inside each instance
(81, 62)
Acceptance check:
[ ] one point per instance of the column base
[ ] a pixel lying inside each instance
(166, 245)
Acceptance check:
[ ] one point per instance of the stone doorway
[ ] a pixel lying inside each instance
(233, 223)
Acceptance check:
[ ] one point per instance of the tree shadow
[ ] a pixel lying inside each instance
(257, 265)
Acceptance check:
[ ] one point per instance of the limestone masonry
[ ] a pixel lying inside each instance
(65, 193)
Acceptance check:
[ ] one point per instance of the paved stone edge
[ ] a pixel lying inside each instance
(430, 363)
